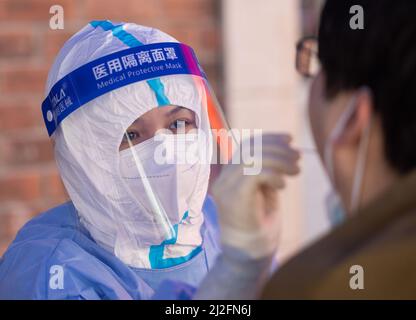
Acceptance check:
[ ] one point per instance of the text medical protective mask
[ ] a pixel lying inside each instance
(114, 71)
(87, 112)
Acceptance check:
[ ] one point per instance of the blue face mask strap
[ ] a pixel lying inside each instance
(129, 40)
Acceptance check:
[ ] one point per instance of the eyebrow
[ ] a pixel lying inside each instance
(176, 110)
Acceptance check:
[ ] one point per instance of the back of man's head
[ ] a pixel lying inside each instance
(381, 56)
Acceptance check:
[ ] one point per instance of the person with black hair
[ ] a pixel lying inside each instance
(362, 110)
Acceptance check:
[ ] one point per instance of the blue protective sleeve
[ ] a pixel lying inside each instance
(234, 276)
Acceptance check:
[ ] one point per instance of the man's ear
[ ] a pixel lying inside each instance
(360, 118)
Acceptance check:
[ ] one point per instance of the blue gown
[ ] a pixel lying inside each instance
(54, 257)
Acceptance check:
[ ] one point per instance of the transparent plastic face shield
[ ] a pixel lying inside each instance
(134, 150)
(165, 157)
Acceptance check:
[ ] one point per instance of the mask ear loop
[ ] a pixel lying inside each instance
(360, 168)
(361, 157)
(334, 135)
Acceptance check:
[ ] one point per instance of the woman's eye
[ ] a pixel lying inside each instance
(178, 124)
(130, 136)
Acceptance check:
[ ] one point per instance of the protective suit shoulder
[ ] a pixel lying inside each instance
(51, 258)
(50, 224)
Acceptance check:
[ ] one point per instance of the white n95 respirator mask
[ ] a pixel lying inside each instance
(167, 167)
(159, 163)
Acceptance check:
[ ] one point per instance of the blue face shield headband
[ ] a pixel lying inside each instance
(114, 71)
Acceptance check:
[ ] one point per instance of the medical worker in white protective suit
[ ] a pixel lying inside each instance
(134, 226)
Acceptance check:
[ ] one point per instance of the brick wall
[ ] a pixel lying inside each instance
(29, 181)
